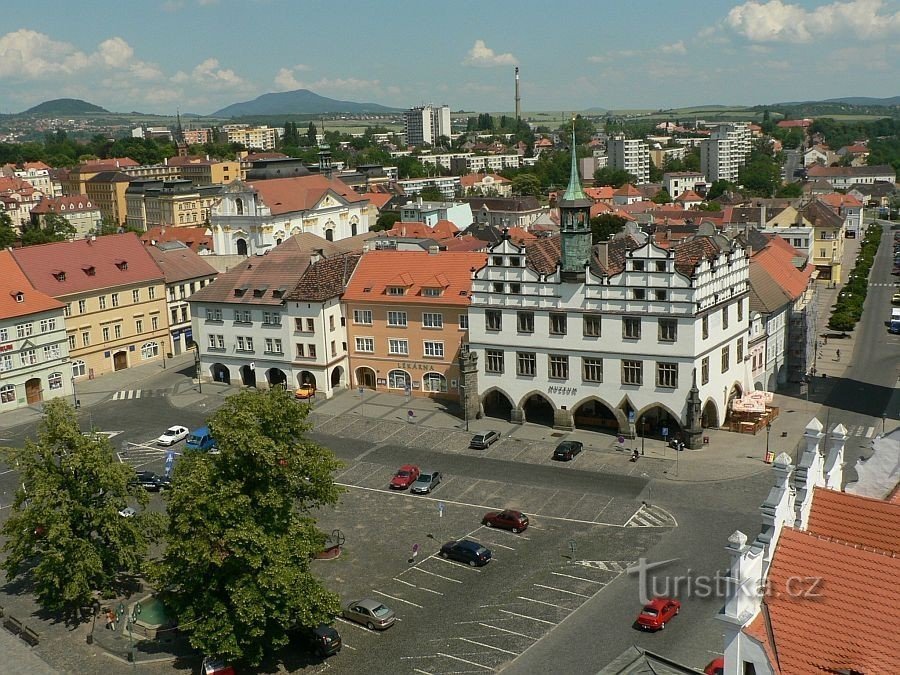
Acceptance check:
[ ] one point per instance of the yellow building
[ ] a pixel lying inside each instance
(74, 181)
(828, 239)
(206, 171)
(171, 203)
(114, 297)
(107, 191)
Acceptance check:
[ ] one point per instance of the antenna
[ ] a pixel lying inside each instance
(518, 100)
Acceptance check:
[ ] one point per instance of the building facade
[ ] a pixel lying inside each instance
(258, 138)
(631, 155)
(426, 124)
(78, 210)
(725, 151)
(676, 182)
(107, 190)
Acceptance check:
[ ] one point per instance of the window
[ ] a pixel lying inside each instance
(725, 317)
(661, 295)
(82, 306)
(136, 295)
(181, 291)
(365, 344)
(213, 314)
(24, 330)
(592, 370)
(271, 318)
(557, 323)
(633, 372)
(105, 333)
(330, 322)
(115, 299)
(78, 368)
(149, 350)
(174, 315)
(362, 316)
(28, 357)
(704, 371)
(310, 326)
(301, 351)
(515, 289)
(434, 349)
(51, 352)
(631, 328)
(493, 319)
(639, 294)
(526, 364)
(138, 325)
(432, 292)
(398, 379)
(244, 344)
(432, 320)
(434, 382)
(705, 327)
(273, 346)
(117, 330)
(515, 261)
(558, 366)
(67, 310)
(397, 319)
(396, 290)
(493, 361)
(498, 287)
(333, 348)
(740, 310)
(85, 338)
(48, 325)
(497, 261)
(71, 338)
(55, 381)
(637, 265)
(740, 350)
(591, 325)
(667, 375)
(151, 292)
(243, 316)
(464, 322)
(154, 322)
(660, 265)
(102, 302)
(398, 346)
(311, 350)
(725, 359)
(525, 322)
(6, 363)
(7, 393)
(668, 330)
(213, 342)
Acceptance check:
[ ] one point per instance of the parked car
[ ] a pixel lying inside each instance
(148, 480)
(127, 512)
(172, 435)
(370, 613)
(213, 666)
(405, 476)
(202, 440)
(484, 441)
(466, 551)
(426, 482)
(657, 613)
(895, 299)
(567, 450)
(715, 667)
(305, 392)
(515, 521)
(323, 639)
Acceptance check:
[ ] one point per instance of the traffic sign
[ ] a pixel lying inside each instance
(631, 416)
(665, 431)
(441, 509)
(573, 546)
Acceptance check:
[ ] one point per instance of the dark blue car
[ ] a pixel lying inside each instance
(466, 551)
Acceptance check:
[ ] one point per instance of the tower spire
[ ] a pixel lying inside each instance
(574, 191)
(575, 225)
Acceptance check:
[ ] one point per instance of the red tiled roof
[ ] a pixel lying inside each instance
(836, 200)
(409, 228)
(520, 236)
(11, 184)
(462, 244)
(444, 228)
(379, 199)
(180, 263)
(853, 519)
(39, 165)
(793, 124)
(599, 208)
(599, 193)
(471, 179)
(689, 196)
(12, 282)
(777, 259)
(449, 270)
(627, 190)
(110, 164)
(197, 238)
(68, 267)
(66, 204)
(301, 193)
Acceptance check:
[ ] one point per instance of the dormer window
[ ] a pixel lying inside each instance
(89, 270)
(18, 295)
(432, 292)
(396, 290)
(240, 290)
(59, 275)
(122, 264)
(260, 292)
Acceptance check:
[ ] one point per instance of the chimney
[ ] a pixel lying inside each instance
(433, 250)
(316, 255)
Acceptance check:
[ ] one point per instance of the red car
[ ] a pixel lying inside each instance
(515, 521)
(406, 475)
(657, 613)
(715, 667)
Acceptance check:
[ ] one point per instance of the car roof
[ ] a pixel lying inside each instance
(468, 543)
(201, 430)
(368, 603)
(657, 602)
(325, 629)
(426, 472)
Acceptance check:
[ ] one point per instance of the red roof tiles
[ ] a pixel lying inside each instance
(197, 238)
(301, 193)
(14, 286)
(67, 204)
(868, 522)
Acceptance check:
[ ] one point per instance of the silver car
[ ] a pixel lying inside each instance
(426, 482)
(372, 614)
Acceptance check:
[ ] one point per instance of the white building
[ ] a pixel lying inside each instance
(258, 138)
(631, 155)
(725, 151)
(449, 186)
(624, 336)
(34, 352)
(676, 182)
(426, 124)
(845, 177)
(458, 213)
(38, 174)
(255, 216)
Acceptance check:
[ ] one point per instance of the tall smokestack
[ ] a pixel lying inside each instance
(518, 111)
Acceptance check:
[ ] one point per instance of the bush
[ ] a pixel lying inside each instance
(849, 306)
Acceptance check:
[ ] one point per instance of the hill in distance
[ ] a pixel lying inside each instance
(866, 101)
(299, 101)
(65, 106)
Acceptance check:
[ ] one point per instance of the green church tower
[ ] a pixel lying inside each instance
(575, 225)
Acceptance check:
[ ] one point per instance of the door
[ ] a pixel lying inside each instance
(120, 360)
(33, 390)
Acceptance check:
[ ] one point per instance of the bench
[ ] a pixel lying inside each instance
(30, 636)
(13, 625)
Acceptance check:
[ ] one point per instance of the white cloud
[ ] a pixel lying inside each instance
(613, 56)
(208, 75)
(285, 79)
(600, 58)
(674, 48)
(777, 21)
(483, 56)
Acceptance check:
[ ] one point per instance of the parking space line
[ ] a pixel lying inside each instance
(505, 630)
(465, 567)
(424, 672)
(576, 504)
(457, 658)
(509, 533)
(541, 602)
(482, 644)
(392, 597)
(590, 581)
(525, 616)
(435, 574)
(372, 473)
(421, 588)
(562, 590)
(508, 548)
(356, 625)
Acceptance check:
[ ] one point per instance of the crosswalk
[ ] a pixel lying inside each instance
(130, 394)
(861, 431)
(888, 284)
(651, 516)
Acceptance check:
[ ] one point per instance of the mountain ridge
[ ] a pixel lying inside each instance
(298, 101)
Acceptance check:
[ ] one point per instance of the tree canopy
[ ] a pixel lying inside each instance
(65, 532)
(53, 227)
(604, 226)
(8, 234)
(236, 570)
(614, 177)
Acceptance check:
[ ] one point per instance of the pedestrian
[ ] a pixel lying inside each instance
(838, 354)
(110, 619)
(825, 341)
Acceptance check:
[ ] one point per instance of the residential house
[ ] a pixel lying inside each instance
(259, 138)
(114, 297)
(828, 239)
(487, 184)
(677, 182)
(431, 213)
(449, 186)
(107, 190)
(408, 314)
(631, 155)
(877, 194)
(856, 154)
(818, 154)
(151, 203)
(78, 210)
(205, 171)
(74, 181)
(38, 174)
(844, 177)
(198, 239)
(510, 212)
(850, 208)
(34, 355)
(725, 152)
(18, 197)
(627, 194)
(185, 273)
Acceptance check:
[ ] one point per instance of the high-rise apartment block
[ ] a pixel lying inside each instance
(426, 124)
(631, 155)
(725, 151)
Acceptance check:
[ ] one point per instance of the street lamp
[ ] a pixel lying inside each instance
(768, 433)
(464, 406)
(135, 613)
(75, 395)
(643, 433)
(196, 347)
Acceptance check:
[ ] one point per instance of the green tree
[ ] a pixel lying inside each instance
(527, 185)
(719, 188)
(614, 177)
(762, 176)
(65, 534)
(8, 234)
(662, 197)
(584, 130)
(236, 570)
(311, 133)
(431, 194)
(655, 173)
(385, 221)
(790, 191)
(604, 226)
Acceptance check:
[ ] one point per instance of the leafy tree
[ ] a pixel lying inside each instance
(65, 533)
(527, 185)
(410, 167)
(236, 570)
(761, 176)
(719, 188)
(584, 130)
(311, 133)
(485, 122)
(53, 227)
(790, 190)
(662, 197)
(8, 234)
(614, 177)
(604, 226)
(385, 221)
(431, 194)
(709, 206)
(656, 174)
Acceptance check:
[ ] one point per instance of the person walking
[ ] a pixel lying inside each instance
(838, 353)
(110, 619)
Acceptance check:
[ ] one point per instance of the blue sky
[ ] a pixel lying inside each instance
(199, 55)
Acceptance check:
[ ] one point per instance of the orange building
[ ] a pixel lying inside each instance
(407, 317)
